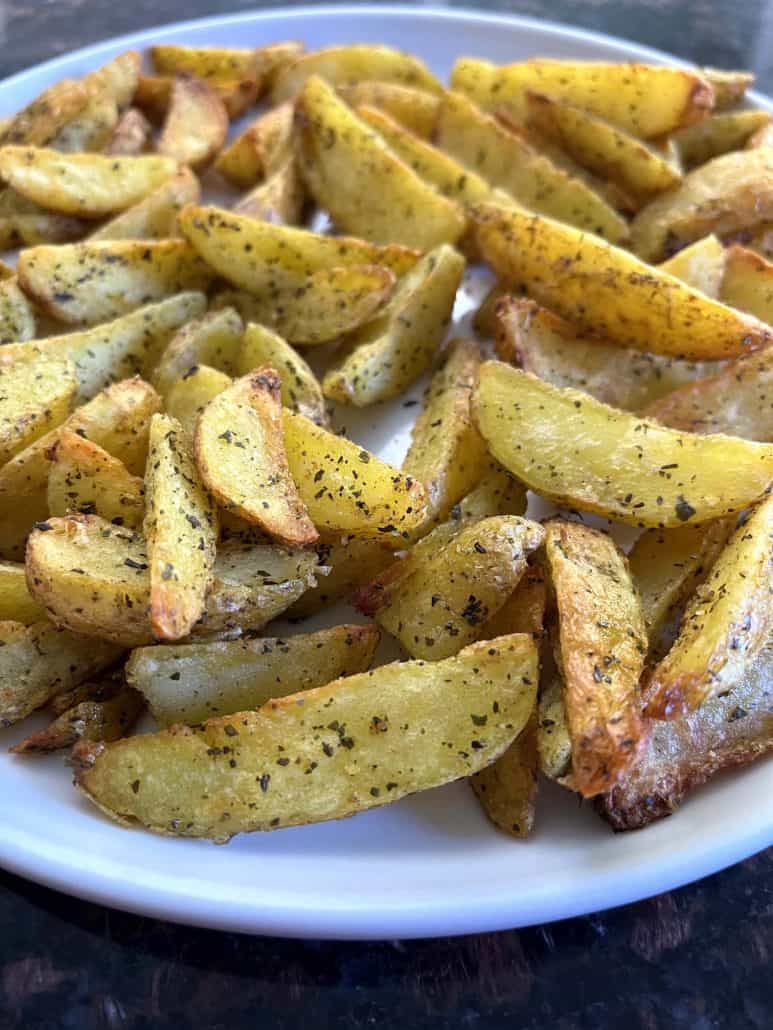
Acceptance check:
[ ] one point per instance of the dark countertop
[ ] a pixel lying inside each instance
(696, 958)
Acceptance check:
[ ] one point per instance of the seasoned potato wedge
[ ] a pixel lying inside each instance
(91, 129)
(206, 62)
(497, 492)
(259, 149)
(731, 193)
(573, 449)
(118, 78)
(729, 86)
(107, 719)
(82, 185)
(344, 65)
(748, 283)
(345, 488)
(280, 199)
(726, 623)
(399, 719)
(643, 99)
(39, 661)
(505, 160)
(180, 530)
(718, 134)
(83, 478)
(352, 562)
(389, 353)
(155, 217)
(608, 292)
(351, 172)
(524, 610)
(84, 283)
(241, 456)
(190, 395)
(299, 388)
(447, 452)
(603, 644)
(38, 123)
(22, 222)
(413, 108)
(196, 123)
(193, 682)
(701, 265)
(132, 134)
(554, 745)
(544, 344)
(16, 604)
(214, 339)
(155, 92)
(35, 396)
(444, 600)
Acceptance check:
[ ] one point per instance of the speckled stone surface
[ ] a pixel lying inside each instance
(697, 958)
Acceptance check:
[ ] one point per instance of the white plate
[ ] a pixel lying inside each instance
(430, 865)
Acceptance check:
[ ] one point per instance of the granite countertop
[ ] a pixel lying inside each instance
(696, 958)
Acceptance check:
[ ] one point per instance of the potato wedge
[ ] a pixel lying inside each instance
(447, 452)
(352, 562)
(84, 479)
(190, 683)
(345, 488)
(35, 396)
(331, 302)
(608, 292)
(259, 149)
(132, 134)
(17, 317)
(16, 604)
(497, 492)
(345, 65)
(39, 661)
(118, 78)
(547, 346)
(718, 134)
(399, 719)
(725, 625)
(389, 353)
(241, 457)
(299, 389)
(443, 602)
(485, 319)
(214, 339)
(109, 719)
(367, 190)
(642, 99)
(603, 644)
(38, 123)
(729, 86)
(413, 108)
(729, 194)
(280, 199)
(100, 688)
(748, 283)
(155, 217)
(206, 62)
(190, 395)
(85, 283)
(91, 129)
(505, 160)
(82, 185)
(25, 223)
(115, 350)
(196, 123)
(700, 264)
(575, 450)
(154, 95)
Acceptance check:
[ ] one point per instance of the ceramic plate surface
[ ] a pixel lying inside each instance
(429, 865)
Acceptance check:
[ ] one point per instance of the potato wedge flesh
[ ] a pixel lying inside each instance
(300, 390)
(191, 394)
(83, 478)
(16, 603)
(35, 397)
(154, 217)
(414, 109)
(215, 339)
(196, 123)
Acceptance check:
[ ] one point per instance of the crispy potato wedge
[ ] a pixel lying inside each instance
(118, 78)
(330, 303)
(117, 419)
(345, 65)
(190, 683)
(25, 223)
(16, 603)
(608, 292)
(642, 99)
(399, 719)
(413, 108)
(259, 149)
(35, 396)
(196, 123)
(108, 719)
(447, 452)
(389, 353)
(299, 388)
(344, 487)
(748, 283)
(180, 530)
(91, 129)
(734, 728)
(729, 86)
(280, 199)
(547, 346)
(38, 123)
(731, 193)
(214, 339)
(603, 644)
(700, 264)
(132, 134)
(573, 449)
(718, 134)
(39, 661)
(352, 562)
(83, 478)
(85, 283)
(241, 457)
(444, 601)
(190, 395)
(505, 160)
(99, 689)
(351, 172)
(115, 350)
(263, 258)
(726, 623)
(155, 217)
(82, 185)
(206, 62)
(17, 317)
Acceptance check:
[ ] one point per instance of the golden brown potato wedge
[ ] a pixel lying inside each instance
(35, 396)
(241, 456)
(731, 193)
(85, 283)
(260, 149)
(192, 393)
(610, 293)
(726, 623)
(524, 610)
(413, 108)
(91, 129)
(83, 478)
(748, 283)
(299, 388)
(399, 719)
(718, 134)
(99, 689)
(196, 123)
(16, 604)
(280, 199)
(352, 562)
(367, 190)
(154, 95)
(573, 449)
(497, 492)
(118, 78)
(155, 217)
(206, 62)
(108, 719)
(82, 185)
(25, 223)
(214, 339)
(603, 644)
(643, 99)
(132, 134)
(193, 682)
(389, 353)
(38, 123)
(700, 264)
